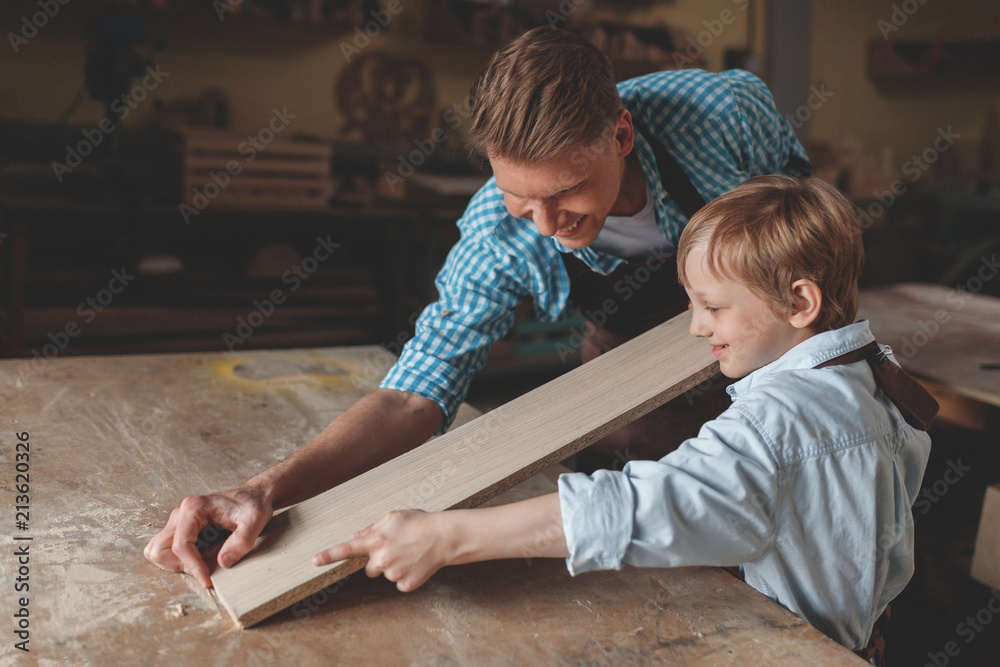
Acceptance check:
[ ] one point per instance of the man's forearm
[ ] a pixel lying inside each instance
(377, 428)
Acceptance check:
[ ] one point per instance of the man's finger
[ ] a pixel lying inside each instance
(158, 550)
(185, 538)
(240, 542)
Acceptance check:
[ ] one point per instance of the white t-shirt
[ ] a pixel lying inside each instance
(633, 237)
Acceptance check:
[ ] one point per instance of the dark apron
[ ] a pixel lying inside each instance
(632, 299)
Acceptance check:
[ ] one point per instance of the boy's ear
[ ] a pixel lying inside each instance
(808, 301)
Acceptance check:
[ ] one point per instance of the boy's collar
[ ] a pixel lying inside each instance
(808, 354)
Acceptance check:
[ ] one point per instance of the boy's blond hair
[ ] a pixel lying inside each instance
(545, 93)
(773, 230)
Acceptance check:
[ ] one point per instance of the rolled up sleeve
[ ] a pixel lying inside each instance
(479, 291)
(597, 514)
(711, 502)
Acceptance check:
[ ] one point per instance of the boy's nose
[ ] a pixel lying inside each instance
(698, 327)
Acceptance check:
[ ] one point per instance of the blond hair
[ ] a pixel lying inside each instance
(773, 230)
(546, 92)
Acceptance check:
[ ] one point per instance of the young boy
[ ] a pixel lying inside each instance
(805, 481)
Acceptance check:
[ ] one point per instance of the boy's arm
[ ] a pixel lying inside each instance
(411, 545)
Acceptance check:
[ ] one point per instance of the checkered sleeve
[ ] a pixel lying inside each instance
(480, 288)
(768, 138)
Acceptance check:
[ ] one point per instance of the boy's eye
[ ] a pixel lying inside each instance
(711, 309)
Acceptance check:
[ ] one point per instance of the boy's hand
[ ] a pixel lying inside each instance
(406, 546)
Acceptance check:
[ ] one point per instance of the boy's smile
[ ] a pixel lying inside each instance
(744, 331)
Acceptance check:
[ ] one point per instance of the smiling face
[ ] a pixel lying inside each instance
(744, 331)
(570, 196)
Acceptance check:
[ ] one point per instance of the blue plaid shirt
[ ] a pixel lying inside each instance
(721, 128)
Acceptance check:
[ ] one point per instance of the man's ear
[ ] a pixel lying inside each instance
(624, 133)
(808, 301)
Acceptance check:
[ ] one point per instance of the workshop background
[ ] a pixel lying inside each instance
(195, 175)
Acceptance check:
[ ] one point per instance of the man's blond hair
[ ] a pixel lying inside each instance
(773, 230)
(547, 92)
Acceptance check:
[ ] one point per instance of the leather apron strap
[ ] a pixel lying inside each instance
(916, 405)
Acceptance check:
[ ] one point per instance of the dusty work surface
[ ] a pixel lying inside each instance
(117, 442)
(941, 334)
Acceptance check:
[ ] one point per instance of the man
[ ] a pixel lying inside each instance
(577, 215)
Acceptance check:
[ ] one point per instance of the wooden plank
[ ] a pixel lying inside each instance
(466, 466)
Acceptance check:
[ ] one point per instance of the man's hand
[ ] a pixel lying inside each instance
(380, 426)
(406, 546)
(245, 512)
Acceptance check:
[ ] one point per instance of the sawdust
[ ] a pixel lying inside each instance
(175, 610)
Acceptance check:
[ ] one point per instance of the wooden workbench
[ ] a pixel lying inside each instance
(117, 442)
(947, 338)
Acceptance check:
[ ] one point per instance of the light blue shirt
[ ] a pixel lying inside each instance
(721, 128)
(806, 480)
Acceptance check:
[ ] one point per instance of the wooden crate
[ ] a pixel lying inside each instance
(283, 175)
(986, 557)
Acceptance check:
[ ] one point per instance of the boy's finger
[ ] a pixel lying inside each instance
(364, 531)
(341, 551)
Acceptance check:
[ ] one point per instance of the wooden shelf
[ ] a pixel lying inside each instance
(924, 61)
